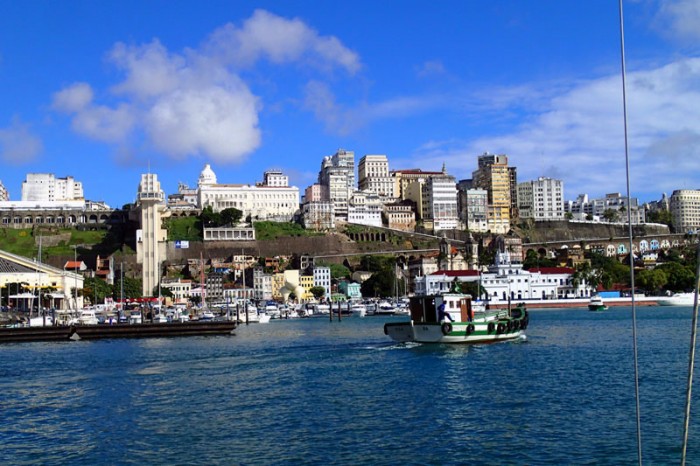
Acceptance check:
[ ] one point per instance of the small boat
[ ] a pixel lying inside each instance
(264, 318)
(87, 317)
(677, 299)
(358, 309)
(456, 322)
(385, 308)
(596, 304)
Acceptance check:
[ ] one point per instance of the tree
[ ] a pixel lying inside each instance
(318, 291)
(589, 217)
(568, 216)
(610, 215)
(209, 218)
(230, 216)
(651, 280)
(339, 271)
(663, 217)
(97, 289)
(680, 277)
(132, 288)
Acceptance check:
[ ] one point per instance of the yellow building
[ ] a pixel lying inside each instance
(494, 176)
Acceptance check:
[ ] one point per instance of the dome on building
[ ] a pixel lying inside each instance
(207, 176)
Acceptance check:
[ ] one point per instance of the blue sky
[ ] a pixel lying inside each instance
(102, 91)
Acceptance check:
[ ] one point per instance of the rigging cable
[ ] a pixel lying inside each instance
(631, 249)
(691, 362)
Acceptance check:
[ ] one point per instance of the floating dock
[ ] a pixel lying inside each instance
(103, 331)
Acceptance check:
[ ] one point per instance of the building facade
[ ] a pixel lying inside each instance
(45, 187)
(337, 174)
(373, 176)
(685, 210)
(494, 176)
(541, 199)
(151, 237)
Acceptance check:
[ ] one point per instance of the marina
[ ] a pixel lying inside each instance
(342, 393)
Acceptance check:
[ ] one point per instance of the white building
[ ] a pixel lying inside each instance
(365, 208)
(180, 289)
(322, 277)
(685, 210)
(373, 176)
(275, 178)
(260, 202)
(45, 187)
(338, 176)
(440, 202)
(541, 200)
(262, 284)
(505, 279)
(4, 195)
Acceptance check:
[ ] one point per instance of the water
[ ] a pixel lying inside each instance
(308, 391)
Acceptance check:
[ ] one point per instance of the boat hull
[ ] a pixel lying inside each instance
(95, 332)
(454, 333)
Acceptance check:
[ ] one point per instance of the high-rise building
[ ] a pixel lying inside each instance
(151, 237)
(338, 176)
(440, 202)
(494, 175)
(373, 176)
(402, 178)
(685, 210)
(45, 187)
(541, 199)
(4, 195)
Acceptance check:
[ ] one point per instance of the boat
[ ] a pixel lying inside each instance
(358, 309)
(385, 308)
(596, 304)
(677, 299)
(264, 318)
(456, 322)
(87, 317)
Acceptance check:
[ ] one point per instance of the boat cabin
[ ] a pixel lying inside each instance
(424, 309)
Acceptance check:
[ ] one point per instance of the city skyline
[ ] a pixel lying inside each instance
(106, 92)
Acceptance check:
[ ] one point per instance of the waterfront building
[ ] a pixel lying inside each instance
(306, 282)
(685, 210)
(494, 176)
(337, 175)
(259, 201)
(365, 208)
(262, 284)
(322, 277)
(350, 289)
(151, 237)
(179, 287)
(215, 287)
(400, 215)
(4, 194)
(506, 280)
(373, 176)
(541, 199)
(66, 286)
(45, 187)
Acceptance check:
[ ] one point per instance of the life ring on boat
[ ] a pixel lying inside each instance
(500, 328)
(386, 330)
(470, 329)
(446, 328)
(491, 327)
(516, 313)
(524, 321)
(516, 325)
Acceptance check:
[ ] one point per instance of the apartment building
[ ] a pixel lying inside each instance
(541, 199)
(685, 210)
(373, 176)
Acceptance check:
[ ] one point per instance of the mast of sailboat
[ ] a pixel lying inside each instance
(201, 281)
(629, 225)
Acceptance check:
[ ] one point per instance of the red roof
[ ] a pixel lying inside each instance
(552, 270)
(73, 265)
(457, 273)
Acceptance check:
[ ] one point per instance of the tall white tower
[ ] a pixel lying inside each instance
(151, 237)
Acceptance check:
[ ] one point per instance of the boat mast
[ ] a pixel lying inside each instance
(629, 225)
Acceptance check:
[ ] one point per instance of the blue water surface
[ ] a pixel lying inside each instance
(310, 391)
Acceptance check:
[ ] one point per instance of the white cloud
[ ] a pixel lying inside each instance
(679, 20)
(73, 98)
(579, 136)
(279, 40)
(17, 144)
(194, 103)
